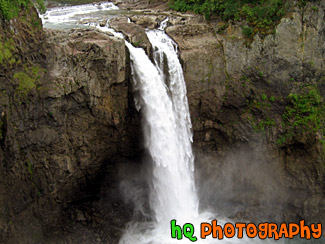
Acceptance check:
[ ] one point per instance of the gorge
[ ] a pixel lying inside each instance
(72, 144)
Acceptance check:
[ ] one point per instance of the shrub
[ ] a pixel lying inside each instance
(6, 49)
(27, 79)
(248, 31)
(305, 111)
(264, 97)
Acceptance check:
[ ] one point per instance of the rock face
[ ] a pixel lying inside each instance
(133, 33)
(66, 116)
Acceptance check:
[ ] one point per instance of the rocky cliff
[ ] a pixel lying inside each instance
(66, 117)
(68, 120)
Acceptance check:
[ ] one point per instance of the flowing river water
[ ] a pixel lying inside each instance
(161, 99)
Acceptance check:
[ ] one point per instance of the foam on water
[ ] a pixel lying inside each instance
(73, 14)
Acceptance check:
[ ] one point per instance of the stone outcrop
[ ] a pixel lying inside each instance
(66, 116)
(133, 33)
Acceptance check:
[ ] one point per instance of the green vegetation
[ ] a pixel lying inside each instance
(260, 15)
(27, 79)
(263, 124)
(248, 31)
(6, 49)
(222, 28)
(11, 8)
(304, 115)
(137, 43)
(305, 112)
(304, 109)
(40, 6)
(30, 169)
(260, 113)
(264, 97)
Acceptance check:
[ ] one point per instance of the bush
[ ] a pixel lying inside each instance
(27, 79)
(305, 111)
(248, 31)
(6, 49)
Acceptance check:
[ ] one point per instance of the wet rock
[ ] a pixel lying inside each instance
(146, 21)
(103, 23)
(134, 33)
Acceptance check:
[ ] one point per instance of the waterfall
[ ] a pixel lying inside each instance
(161, 99)
(167, 130)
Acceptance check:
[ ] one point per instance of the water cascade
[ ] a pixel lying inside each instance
(176, 169)
(167, 131)
(65, 17)
(163, 104)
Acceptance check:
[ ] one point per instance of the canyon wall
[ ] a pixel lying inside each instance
(66, 115)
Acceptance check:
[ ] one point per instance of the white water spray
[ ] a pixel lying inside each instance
(179, 167)
(167, 133)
